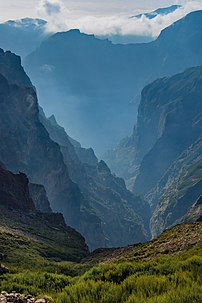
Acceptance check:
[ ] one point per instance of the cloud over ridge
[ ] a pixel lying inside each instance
(62, 18)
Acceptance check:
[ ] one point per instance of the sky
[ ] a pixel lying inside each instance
(100, 17)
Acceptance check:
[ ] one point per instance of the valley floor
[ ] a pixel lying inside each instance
(165, 270)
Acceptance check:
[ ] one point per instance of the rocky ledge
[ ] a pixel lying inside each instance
(20, 298)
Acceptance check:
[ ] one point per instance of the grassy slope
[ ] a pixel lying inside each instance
(171, 242)
(167, 270)
(32, 240)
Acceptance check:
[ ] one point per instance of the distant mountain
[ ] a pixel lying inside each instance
(163, 157)
(127, 39)
(97, 85)
(160, 11)
(25, 35)
(140, 38)
(22, 36)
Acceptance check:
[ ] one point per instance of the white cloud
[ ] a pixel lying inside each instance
(61, 19)
(100, 17)
(51, 7)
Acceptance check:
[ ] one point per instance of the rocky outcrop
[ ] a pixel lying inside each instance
(14, 193)
(15, 297)
(39, 197)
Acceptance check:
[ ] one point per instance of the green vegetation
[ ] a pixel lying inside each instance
(174, 276)
(26, 253)
(38, 235)
(165, 279)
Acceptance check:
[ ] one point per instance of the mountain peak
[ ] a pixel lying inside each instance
(53, 120)
(160, 11)
(27, 22)
(10, 67)
(74, 31)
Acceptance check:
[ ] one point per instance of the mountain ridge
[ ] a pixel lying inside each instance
(72, 63)
(159, 11)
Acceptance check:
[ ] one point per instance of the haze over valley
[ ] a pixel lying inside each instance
(101, 151)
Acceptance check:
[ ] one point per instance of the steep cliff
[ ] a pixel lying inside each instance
(163, 156)
(26, 146)
(169, 122)
(176, 198)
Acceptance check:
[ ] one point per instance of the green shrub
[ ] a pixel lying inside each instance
(91, 292)
(166, 279)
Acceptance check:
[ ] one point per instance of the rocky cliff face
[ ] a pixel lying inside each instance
(163, 159)
(14, 192)
(124, 216)
(11, 68)
(169, 122)
(39, 197)
(177, 197)
(26, 146)
(18, 212)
